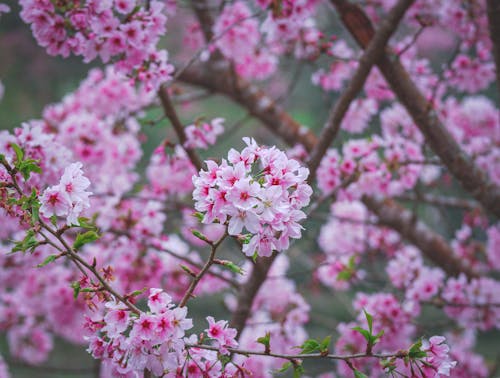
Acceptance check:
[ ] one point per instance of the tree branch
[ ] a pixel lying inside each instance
(171, 114)
(249, 290)
(217, 78)
(493, 9)
(472, 178)
(372, 54)
(432, 245)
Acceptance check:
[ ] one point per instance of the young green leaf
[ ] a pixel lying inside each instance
(358, 374)
(19, 153)
(310, 346)
(75, 285)
(266, 341)
(85, 238)
(47, 260)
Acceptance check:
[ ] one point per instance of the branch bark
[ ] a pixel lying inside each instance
(493, 9)
(249, 290)
(373, 52)
(432, 245)
(218, 78)
(472, 178)
(171, 114)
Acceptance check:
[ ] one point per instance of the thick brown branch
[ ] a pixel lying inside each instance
(372, 54)
(218, 78)
(432, 245)
(472, 178)
(249, 290)
(493, 7)
(171, 114)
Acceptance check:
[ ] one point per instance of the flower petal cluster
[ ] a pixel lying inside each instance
(203, 134)
(120, 30)
(69, 198)
(438, 362)
(224, 337)
(258, 189)
(152, 340)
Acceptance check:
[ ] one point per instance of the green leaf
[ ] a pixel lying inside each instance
(87, 223)
(19, 153)
(366, 334)
(369, 320)
(200, 236)
(28, 166)
(325, 344)
(358, 374)
(266, 341)
(199, 216)
(28, 243)
(344, 275)
(232, 266)
(285, 367)
(310, 346)
(85, 238)
(298, 370)
(135, 293)
(76, 288)
(416, 352)
(47, 260)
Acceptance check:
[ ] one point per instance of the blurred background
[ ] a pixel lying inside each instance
(32, 79)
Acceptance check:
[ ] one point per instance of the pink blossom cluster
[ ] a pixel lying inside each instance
(470, 364)
(51, 155)
(69, 198)
(475, 124)
(473, 303)
(35, 306)
(98, 124)
(470, 75)
(176, 166)
(437, 362)
(343, 66)
(378, 166)
(344, 238)
(395, 320)
(258, 189)
(390, 315)
(407, 271)
(492, 250)
(238, 38)
(132, 342)
(221, 334)
(203, 134)
(290, 27)
(126, 31)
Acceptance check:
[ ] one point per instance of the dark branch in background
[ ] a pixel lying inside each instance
(218, 78)
(249, 290)
(372, 54)
(493, 9)
(204, 17)
(460, 203)
(432, 245)
(171, 114)
(472, 178)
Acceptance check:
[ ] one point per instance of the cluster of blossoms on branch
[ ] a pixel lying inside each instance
(124, 31)
(119, 241)
(258, 189)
